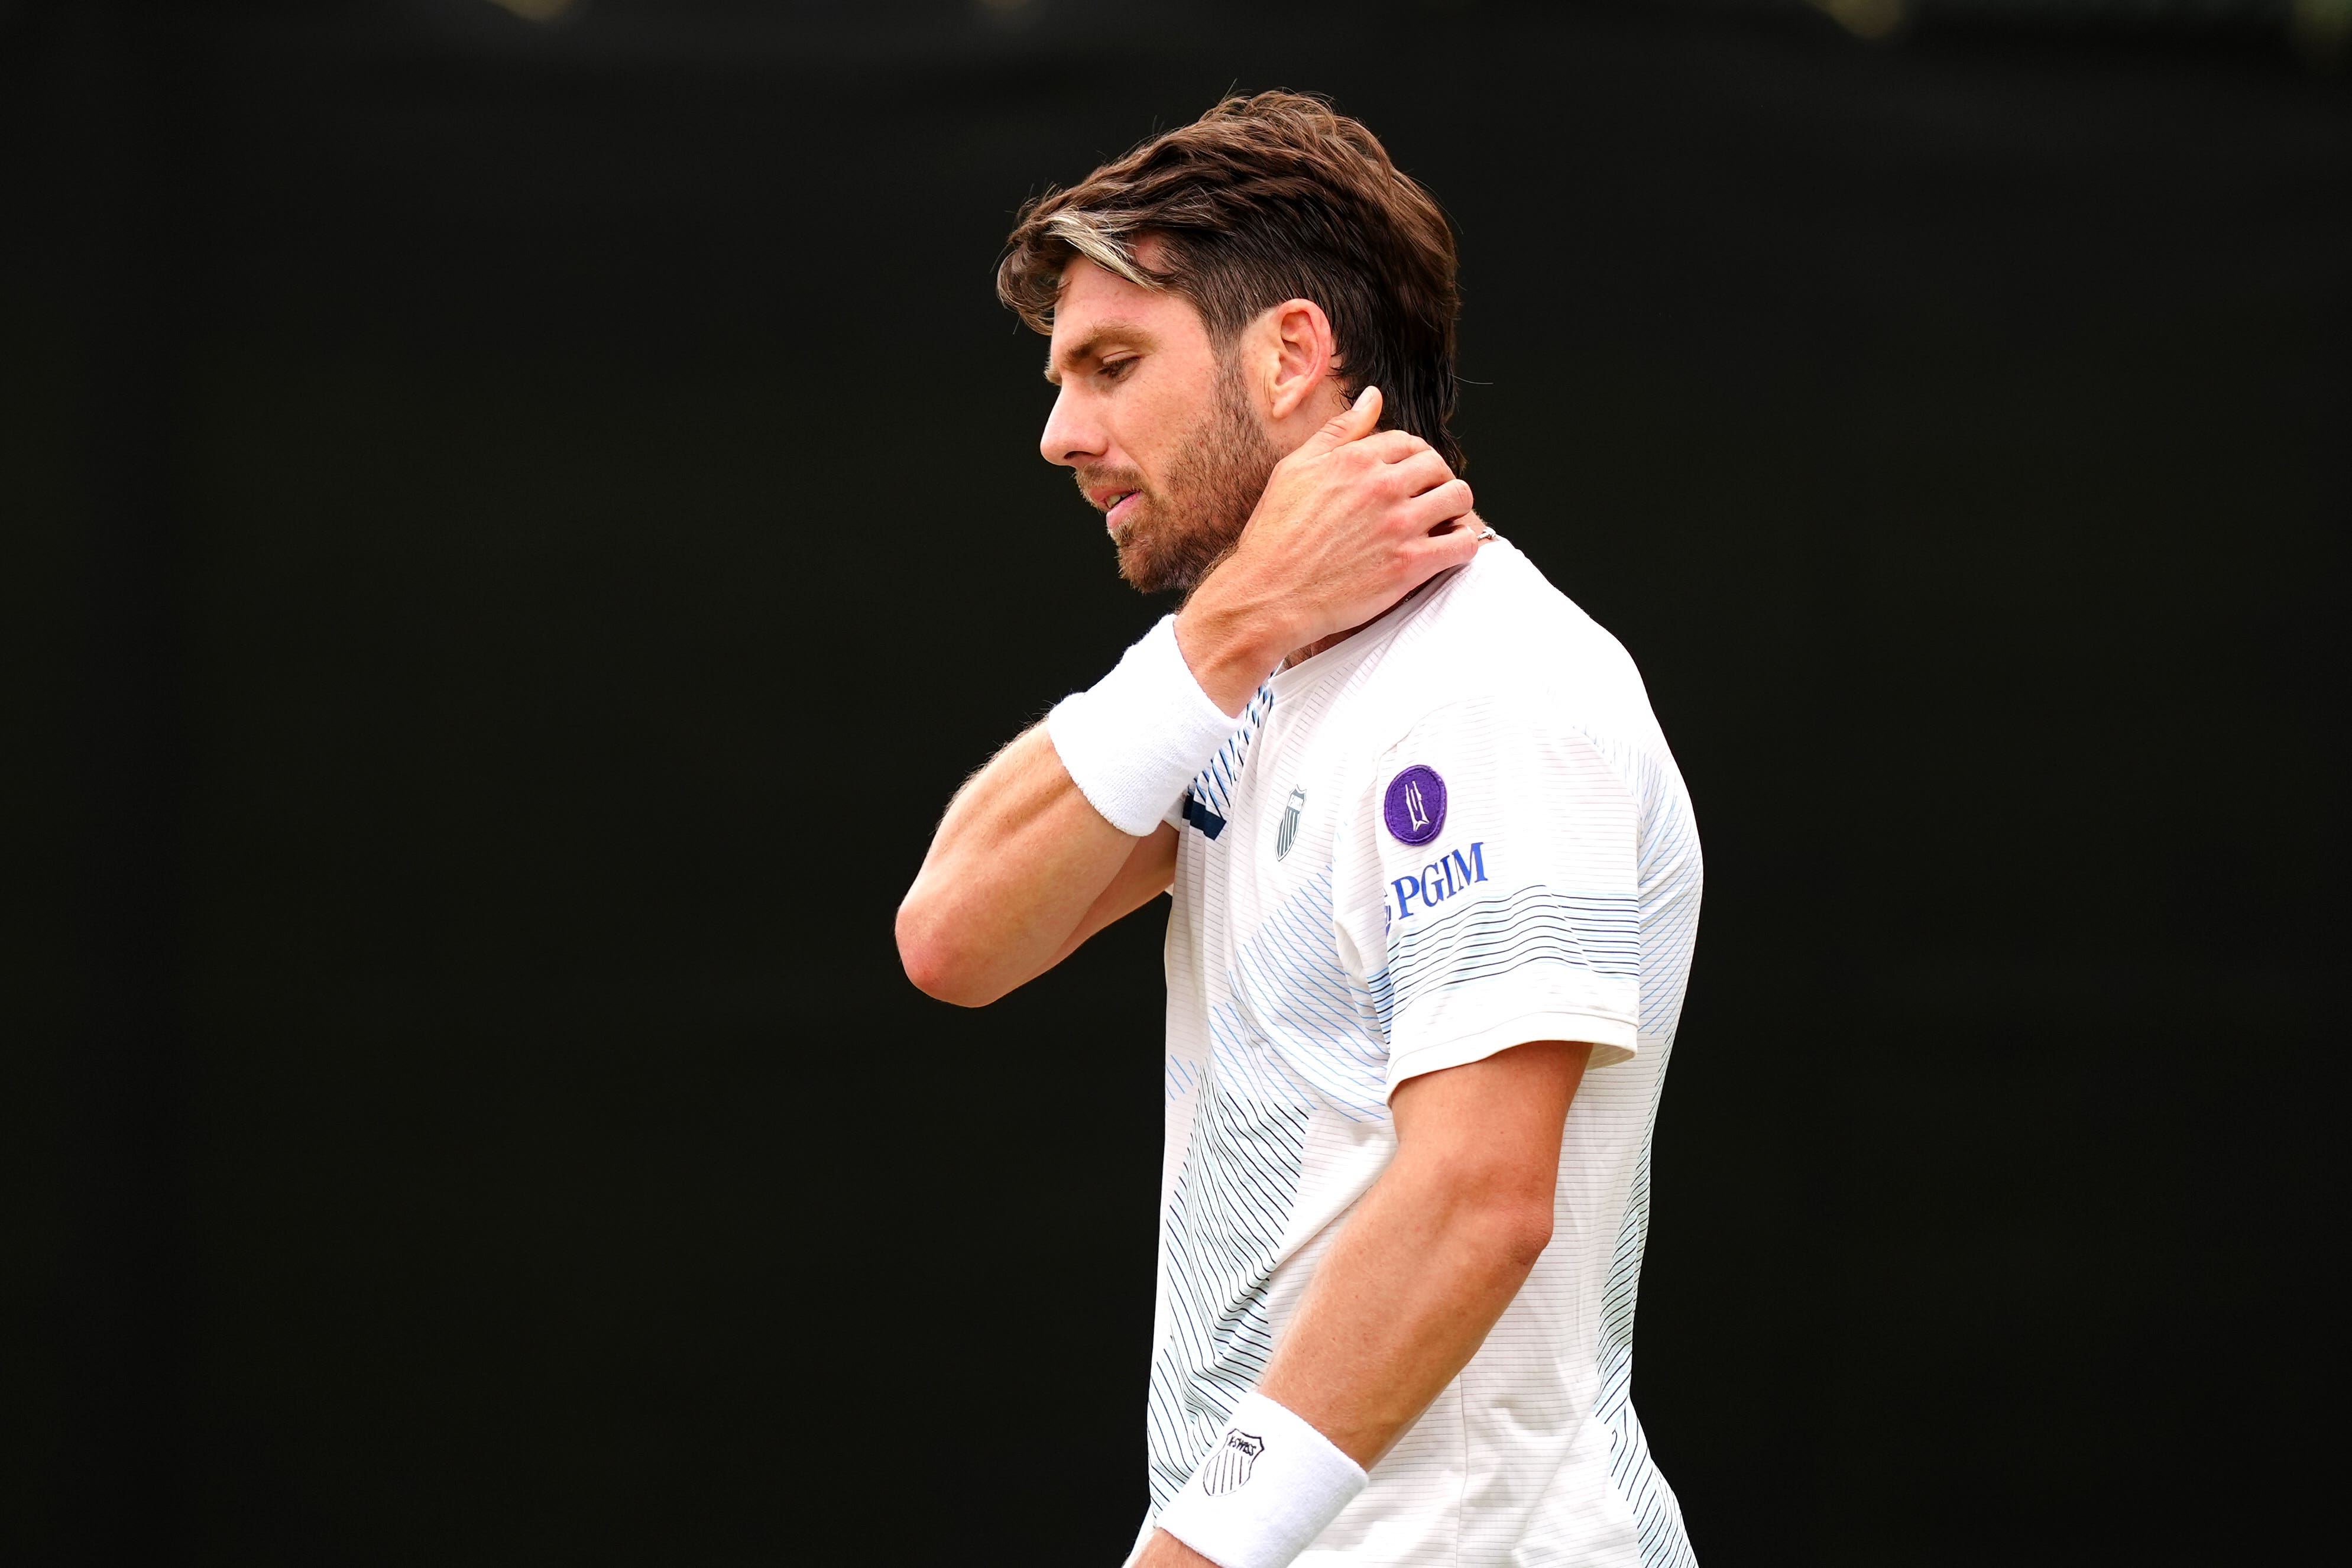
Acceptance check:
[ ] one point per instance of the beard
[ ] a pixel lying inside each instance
(1176, 532)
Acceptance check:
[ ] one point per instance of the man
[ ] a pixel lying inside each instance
(1435, 879)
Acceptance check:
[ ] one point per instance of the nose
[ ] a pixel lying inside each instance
(1071, 435)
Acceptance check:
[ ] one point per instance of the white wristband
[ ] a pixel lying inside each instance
(1265, 1492)
(1133, 741)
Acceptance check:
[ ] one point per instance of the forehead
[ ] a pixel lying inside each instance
(1098, 310)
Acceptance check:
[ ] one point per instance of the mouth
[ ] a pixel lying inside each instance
(1117, 506)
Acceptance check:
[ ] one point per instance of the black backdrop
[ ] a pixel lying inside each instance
(513, 533)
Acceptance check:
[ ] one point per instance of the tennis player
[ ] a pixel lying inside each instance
(1435, 879)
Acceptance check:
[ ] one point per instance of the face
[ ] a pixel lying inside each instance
(1161, 431)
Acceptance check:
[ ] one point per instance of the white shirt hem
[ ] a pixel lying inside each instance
(1613, 1041)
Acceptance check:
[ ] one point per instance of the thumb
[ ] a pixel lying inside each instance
(1350, 424)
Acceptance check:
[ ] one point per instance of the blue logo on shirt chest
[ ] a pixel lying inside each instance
(1441, 879)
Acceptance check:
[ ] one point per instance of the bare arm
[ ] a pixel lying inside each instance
(1431, 1257)
(1021, 871)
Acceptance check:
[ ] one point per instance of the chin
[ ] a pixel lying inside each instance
(1146, 570)
(1137, 570)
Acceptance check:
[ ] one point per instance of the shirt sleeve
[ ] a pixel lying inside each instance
(1494, 898)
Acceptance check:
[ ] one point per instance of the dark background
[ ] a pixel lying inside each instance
(512, 532)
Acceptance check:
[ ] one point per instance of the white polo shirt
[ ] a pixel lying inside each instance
(1457, 831)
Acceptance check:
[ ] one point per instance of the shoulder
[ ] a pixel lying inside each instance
(1497, 642)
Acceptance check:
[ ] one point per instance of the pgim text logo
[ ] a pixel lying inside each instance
(1445, 877)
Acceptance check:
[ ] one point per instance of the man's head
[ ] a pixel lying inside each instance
(1216, 295)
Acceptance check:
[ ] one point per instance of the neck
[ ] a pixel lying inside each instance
(1301, 655)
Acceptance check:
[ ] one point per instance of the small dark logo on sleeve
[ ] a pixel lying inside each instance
(1227, 1468)
(1415, 807)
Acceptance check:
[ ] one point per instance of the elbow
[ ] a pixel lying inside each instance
(1513, 1224)
(1523, 1229)
(934, 964)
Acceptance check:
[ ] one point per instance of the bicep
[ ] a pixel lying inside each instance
(1502, 1114)
(1148, 871)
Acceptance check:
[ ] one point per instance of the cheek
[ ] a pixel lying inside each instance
(1166, 441)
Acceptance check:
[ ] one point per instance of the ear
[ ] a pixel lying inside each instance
(1304, 359)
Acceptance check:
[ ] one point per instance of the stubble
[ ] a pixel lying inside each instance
(1182, 530)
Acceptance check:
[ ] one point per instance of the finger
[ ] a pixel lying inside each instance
(1393, 446)
(1436, 552)
(1425, 558)
(1353, 422)
(1448, 502)
(1420, 472)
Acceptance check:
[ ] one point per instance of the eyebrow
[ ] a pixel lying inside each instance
(1105, 334)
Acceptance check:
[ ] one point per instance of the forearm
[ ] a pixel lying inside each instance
(1435, 1250)
(1234, 633)
(1399, 1305)
(1019, 862)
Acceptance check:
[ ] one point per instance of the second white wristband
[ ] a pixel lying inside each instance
(1267, 1489)
(1134, 739)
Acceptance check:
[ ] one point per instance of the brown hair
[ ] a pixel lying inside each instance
(1261, 200)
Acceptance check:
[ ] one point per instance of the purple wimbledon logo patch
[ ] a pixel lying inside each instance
(1415, 807)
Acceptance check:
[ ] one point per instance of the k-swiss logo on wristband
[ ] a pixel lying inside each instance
(1287, 834)
(1227, 1468)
